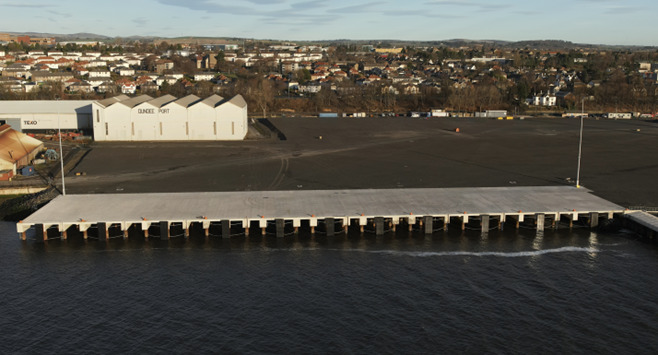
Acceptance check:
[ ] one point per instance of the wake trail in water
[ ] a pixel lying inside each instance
(519, 254)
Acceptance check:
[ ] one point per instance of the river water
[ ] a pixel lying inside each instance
(512, 292)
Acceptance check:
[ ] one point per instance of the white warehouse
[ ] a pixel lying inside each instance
(167, 118)
(43, 116)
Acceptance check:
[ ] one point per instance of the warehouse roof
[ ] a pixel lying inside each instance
(160, 101)
(135, 101)
(238, 100)
(44, 106)
(212, 101)
(111, 100)
(187, 101)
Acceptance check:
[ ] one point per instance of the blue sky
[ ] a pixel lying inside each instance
(583, 21)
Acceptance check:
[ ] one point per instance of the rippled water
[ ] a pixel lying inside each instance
(566, 292)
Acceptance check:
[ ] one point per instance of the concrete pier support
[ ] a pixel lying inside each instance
(280, 228)
(520, 218)
(41, 232)
(64, 234)
(379, 225)
(23, 235)
(102, 231)
(329, 225)
(540, 218)
(125, 232)
(464, 221)
(296, 223)
(226, 229)
(593, 219)
(484, 224)
(313, 222)
(164, 230)
(570, 218)
(428, 222)
(446, 222)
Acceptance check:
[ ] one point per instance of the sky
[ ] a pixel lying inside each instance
(614, 22)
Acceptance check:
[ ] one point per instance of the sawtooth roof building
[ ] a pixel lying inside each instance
(167, 118)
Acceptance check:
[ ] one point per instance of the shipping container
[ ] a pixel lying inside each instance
(6, 175)
(27, 170)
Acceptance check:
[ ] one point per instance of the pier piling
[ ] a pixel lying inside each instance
(41, 232)
(226, 229)
(329, 226)
(593, 219)
(484, 224)
(164, 230)
(379, 225)
(429, 224)
(280, 227)
(540, 218)
(102, 231)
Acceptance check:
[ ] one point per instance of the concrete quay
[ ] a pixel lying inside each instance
(332, 210)
(642, 223)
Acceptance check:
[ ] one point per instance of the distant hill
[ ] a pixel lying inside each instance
(457, 42)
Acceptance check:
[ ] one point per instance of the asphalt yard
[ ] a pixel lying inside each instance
(619, 159)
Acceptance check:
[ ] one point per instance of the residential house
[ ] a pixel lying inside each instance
(81, 86)
(41, 77)
(11, 84)
(80, 71)
(125, 71)
(149, 87)
(128, 87)
(310, 88)
(106, 87)
(162, 65)
(543, 100)
(206, 76)
(97, 64)
(99, 73)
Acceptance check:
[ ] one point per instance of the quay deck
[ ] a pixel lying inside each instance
(375, 207)
(644, 223)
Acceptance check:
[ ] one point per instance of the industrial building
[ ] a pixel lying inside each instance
(16, 149)
(46, 116)
(167, 118)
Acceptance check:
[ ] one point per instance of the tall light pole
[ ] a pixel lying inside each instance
(61, 152)
(580, 141)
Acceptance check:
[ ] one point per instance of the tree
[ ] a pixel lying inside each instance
(302, 76)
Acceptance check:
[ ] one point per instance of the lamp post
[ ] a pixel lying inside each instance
(61, 152)
(580, 141)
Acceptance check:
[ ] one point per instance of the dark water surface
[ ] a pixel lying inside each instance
(567, 292)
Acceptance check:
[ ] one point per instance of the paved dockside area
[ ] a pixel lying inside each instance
(393, 206)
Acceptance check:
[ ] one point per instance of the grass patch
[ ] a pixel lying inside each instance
(4, 198)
